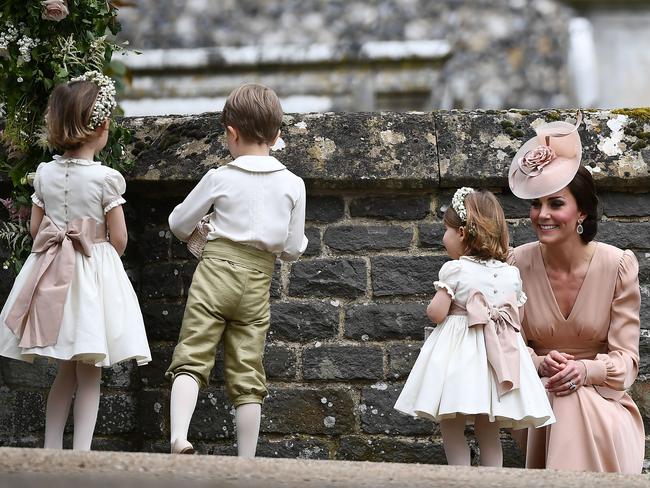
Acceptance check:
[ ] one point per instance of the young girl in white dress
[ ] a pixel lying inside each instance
(475, 368)
(72, 300)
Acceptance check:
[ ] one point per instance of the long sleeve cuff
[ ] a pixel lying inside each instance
(293, 255)
(596, 371)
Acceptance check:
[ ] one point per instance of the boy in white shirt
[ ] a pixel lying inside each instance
(259, 213)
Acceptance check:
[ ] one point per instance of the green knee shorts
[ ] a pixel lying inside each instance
(229, 298)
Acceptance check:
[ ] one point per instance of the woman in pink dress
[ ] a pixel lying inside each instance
(581, 320)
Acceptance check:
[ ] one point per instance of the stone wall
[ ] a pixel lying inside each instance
(503, 53)
(348, 317)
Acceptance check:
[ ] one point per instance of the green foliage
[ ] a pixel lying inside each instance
(36, 54)
(15, 235)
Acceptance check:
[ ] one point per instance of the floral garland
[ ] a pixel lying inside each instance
(42, 44)
(458, 202)
(105, 102)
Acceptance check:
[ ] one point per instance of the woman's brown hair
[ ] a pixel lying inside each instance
(486, 231)
(583, 189)
(68, 114)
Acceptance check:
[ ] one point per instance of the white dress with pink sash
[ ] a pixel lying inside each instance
(475, 361)
(100, 322)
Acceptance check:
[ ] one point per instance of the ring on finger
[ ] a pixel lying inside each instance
(572, 386)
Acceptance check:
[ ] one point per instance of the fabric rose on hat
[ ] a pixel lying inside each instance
(55, 10)
(535, 159)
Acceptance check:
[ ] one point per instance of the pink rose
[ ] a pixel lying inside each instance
(55, 10)
(534, 160)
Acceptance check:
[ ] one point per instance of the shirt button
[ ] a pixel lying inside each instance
(496, 275)
(494, 291)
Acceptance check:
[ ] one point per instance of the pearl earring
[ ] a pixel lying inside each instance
(580, 229)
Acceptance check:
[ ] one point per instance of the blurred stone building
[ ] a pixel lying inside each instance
(388, 54)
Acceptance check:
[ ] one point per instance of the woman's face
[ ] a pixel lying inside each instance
(555, 217)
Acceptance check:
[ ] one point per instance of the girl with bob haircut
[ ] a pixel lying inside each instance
(72, 300)
(474, 368)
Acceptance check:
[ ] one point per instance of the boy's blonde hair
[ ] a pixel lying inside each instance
(255, 111)
(68, 114)
(486, 230)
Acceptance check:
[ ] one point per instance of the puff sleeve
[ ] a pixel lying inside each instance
(448, 278)
(37, 196)
(618, 368)
(112, 190)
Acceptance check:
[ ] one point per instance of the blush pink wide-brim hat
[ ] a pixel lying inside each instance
(548, 162)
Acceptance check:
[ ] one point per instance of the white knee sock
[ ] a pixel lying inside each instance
(86, 405)
(489, 441)
(453, 439)
(59, 400)
(247, 418)
(185, 392)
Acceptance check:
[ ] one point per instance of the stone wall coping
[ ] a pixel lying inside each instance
(439, 149)
(394, 150)
(285, 54)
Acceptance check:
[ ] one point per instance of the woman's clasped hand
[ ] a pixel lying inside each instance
(564, 374)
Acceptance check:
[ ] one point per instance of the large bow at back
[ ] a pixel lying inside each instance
(37, 313)
(501, 328)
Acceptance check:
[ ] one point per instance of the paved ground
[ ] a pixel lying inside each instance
(27, 468)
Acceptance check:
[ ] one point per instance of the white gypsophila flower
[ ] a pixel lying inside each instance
(458, 201)
(19, 79)
(105, 102)
(9, 34)
(25, 46)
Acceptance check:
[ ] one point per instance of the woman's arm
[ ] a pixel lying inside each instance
(35, 220)
(116, 224)
(618, 368)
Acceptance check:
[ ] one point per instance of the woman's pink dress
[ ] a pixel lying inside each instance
(599, 427)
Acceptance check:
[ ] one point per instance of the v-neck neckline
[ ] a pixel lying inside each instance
(550, 288)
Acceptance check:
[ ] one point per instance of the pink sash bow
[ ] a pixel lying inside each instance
(500, 329)
(37, 313)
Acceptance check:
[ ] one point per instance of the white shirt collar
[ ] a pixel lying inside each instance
(258, 164)
(490, 263)
(83, 162)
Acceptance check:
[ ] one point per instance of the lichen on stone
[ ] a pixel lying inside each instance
(639, 114)
(613, 144)
(390, 137)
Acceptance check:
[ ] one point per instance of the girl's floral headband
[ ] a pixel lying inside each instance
(458, 202)
(105, 102)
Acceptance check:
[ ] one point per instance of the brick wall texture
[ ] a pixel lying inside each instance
(347, 318)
